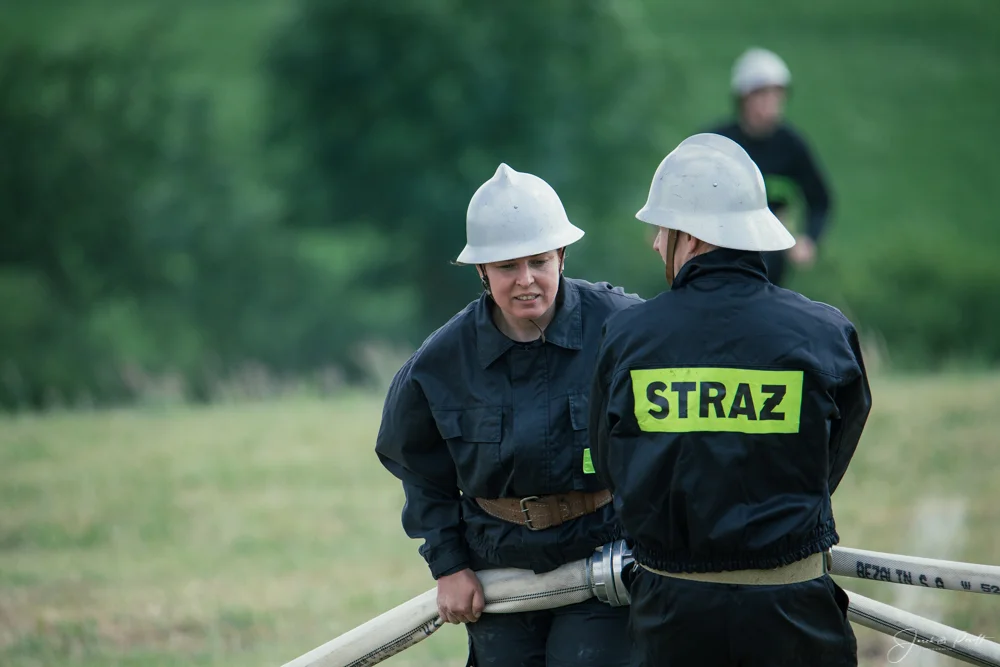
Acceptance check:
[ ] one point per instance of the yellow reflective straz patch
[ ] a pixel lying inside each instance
(685, 400)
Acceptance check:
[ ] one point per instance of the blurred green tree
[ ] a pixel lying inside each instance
(82, 134)
(388, 116)
(124, 253)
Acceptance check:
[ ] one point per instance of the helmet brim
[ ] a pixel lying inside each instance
(743, 230)
(506, 251)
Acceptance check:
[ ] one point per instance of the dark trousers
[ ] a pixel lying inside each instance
(586, 634)
(680, 623)
(776, 263)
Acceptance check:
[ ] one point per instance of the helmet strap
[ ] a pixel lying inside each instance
(484, 279)
(671, 247)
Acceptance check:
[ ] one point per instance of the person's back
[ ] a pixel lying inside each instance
(724, 414)
(738, 380)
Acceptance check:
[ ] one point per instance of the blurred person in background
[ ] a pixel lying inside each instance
(760, 82)
(486, 427)
(725, 413)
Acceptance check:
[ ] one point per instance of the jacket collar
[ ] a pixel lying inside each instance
(565, 329)
(748, 265)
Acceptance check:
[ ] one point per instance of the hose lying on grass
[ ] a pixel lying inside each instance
(510, 590)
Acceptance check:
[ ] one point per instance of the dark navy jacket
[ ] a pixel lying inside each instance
(725, 412)
(474, 414)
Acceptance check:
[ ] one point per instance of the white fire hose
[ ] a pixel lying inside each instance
(915, 571)
(507, 590)
(909, 630)
(511, 590)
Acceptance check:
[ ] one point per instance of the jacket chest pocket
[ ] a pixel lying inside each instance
(583, 467)
(473, 437)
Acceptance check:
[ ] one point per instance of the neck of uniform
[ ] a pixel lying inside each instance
(519, 329)
(720, 262)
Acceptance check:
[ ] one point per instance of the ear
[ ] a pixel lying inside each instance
(562, 259)
(689, 243)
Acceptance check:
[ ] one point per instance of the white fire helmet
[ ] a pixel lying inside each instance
(759, 68)
(515, 214)
(710, 188)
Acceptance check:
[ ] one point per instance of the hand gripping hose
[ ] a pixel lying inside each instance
(512, 590)
(507, 591)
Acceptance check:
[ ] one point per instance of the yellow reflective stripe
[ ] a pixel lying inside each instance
(685, 400)
(588, 463)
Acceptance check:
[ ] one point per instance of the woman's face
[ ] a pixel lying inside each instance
(526, 288)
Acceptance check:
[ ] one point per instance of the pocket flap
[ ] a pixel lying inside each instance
(480, 424)
(449, 423)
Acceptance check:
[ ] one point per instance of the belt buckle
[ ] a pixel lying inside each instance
(524, 511)
(828, 561)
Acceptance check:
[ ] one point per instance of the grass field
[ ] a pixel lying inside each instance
(248, 534)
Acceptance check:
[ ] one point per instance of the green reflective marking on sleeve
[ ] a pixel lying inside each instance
(588, 463)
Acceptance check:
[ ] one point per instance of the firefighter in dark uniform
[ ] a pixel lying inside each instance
(725, 412)
(759, 83)
(486, 427)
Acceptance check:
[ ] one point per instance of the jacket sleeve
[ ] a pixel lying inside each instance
(854, 402)
(815, 190)
(410, 447)
(598, 425)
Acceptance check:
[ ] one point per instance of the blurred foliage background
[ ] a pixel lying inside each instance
(209, 200)
(272, 191)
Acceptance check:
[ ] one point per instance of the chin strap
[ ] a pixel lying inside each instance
(483, 278)
(671, 247)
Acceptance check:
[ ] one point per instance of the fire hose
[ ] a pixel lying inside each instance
(604, 575)
(915, 571)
